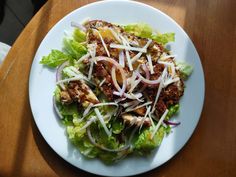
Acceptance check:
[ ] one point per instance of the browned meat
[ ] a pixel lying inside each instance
(140, 111)
(78, 91)
(65, 97)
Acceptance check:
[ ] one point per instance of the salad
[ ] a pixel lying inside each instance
(117, 88)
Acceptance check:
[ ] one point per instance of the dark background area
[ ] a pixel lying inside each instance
(14, 16)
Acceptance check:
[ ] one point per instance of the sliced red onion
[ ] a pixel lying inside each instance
(167, 122)
(147, 81)
(59, 70)
(56, 108)
(78, 25)
(119, 67)
(92, 140)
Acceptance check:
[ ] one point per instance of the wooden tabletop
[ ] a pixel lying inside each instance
(211, 151)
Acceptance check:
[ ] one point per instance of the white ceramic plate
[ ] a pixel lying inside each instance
(42, 84)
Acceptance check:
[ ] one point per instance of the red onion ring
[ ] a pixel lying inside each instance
(92, 140)
(59, 70)
(56, 108)
(79, 26)
(119, 67)
(171, 123)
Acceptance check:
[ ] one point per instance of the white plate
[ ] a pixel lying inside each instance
(42, 84)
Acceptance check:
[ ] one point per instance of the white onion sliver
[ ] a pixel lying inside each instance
(147, 81)
(101, 119)
(159, 123)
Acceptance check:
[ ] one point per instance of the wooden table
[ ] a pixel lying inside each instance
(211, 151)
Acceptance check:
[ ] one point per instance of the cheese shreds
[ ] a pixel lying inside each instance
(159, 123)
(137, 107)
(150, 117)
(115, 35)
(171, 65)
(170, 81)
(73, 79)
(106, 104)
(145, 116)
(129, 60)
(135, 83)
(113, 76)
(122, 58)
(86, 111)
(88, 123)
(167, 56)
(137, 49)
(157, 96)
(101, 119)
(103, 43)
(150, 63)
(102, 82)
(90, 69)
(137, 56)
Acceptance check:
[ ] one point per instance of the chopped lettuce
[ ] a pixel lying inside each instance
(143, 142)
(164, 38)
(172, 111)
(55, 58)
(185, 69)
(139, 29)
(74, 48)
(117, 127)
(79, 35)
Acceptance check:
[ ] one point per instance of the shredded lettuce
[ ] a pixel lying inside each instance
(164, 38)
(185, 69)
(55, 58)
(74, 48)
(172, 111)
(79, 35)
(117, 127)
(139, 29)
(143, 142)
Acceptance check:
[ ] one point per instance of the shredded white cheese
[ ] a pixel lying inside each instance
(157, 96)
(143, 118)
(122, 58)
(86, 111)
(137, 107)
(118, 46)
(101, 119)
(149, 58)
(134, 84)
(136, 57)
(103, 43)
(159, 123)
(102, 82)
(115, 35)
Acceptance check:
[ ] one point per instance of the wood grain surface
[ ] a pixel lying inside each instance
(211, 151)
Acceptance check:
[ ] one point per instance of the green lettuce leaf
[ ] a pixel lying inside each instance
(74, 48)
(164, 38)
(172, 111)
(185, 69)
(139, 29)
(79, 35)
(143, 142)
(117, 127)
(55, 58)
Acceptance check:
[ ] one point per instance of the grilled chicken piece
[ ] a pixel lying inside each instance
(78, 91)
(134, 120)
